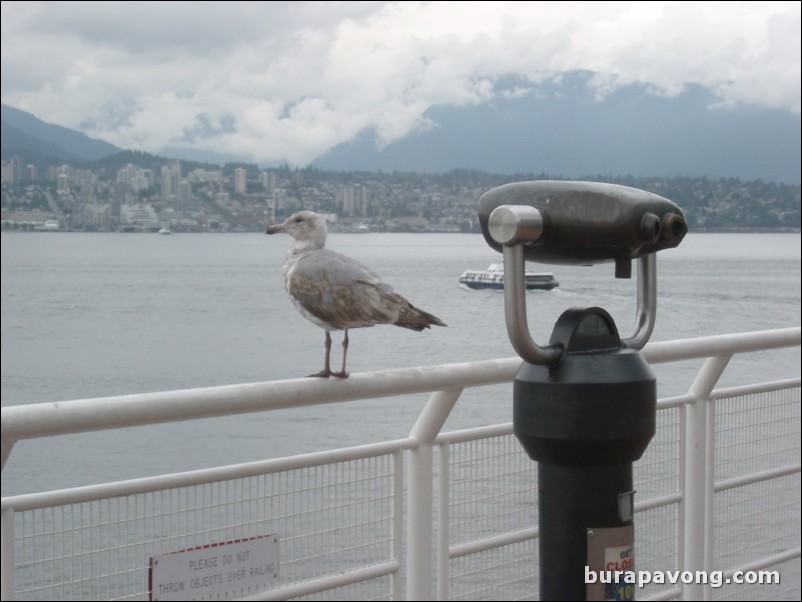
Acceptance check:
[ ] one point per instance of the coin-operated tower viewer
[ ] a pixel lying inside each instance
(584, 405)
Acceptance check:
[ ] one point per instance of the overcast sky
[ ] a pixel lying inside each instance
(286, 81)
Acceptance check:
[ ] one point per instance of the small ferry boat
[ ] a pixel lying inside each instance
(165, 230)
(493, 277)
(49, 225)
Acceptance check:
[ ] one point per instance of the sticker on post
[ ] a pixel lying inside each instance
(619, 562)
(221, 570)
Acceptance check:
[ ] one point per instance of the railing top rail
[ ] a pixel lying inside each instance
(65, 417)
(755, 388)
(100, 413)
(724, 344)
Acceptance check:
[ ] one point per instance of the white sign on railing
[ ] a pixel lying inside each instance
(217, 571)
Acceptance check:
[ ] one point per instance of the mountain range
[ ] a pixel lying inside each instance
(559, 128)
(563, 128)
(25, 135)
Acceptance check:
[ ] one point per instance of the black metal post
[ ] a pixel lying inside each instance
(585, 420)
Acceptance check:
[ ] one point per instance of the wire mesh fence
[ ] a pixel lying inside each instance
(339, 514)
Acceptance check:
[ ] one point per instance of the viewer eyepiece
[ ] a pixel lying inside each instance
(580, 222)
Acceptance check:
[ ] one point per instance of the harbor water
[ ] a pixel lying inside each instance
(98, 315)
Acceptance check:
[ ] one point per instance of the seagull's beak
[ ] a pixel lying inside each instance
(275, 229)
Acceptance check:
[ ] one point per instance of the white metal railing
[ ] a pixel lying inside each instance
(340, 514)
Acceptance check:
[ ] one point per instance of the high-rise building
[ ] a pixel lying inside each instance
(171, 176)
(138, 178)
(269, 180)
(240, 180)
(17, 170)
(97, 215)
(184, 190)
(352, 199)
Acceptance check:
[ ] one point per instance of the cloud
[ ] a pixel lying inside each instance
(285, 81)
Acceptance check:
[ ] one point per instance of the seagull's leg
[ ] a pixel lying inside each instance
(326, 372)
(342, 373)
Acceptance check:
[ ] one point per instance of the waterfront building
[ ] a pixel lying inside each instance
(140, 217)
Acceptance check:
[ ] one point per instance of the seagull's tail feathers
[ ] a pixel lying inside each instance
(416, 319)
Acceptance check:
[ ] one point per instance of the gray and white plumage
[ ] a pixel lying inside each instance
(336, 292)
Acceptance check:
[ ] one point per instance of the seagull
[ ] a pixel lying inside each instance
(336, 292)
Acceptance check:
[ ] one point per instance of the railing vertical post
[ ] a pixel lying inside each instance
(443, 478)
(6, 447)
(697, 502)
(419, 524)
(710, 487)
(7, 549)
(398, 521)
(420, 493)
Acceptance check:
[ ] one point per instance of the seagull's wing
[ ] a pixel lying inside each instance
(342, 292)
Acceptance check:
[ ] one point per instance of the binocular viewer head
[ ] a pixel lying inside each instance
(581, 223)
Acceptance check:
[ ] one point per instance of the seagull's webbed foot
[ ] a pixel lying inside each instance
(326, 372)
(321, 374)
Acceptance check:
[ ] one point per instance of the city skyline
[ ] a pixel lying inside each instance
(199, 199)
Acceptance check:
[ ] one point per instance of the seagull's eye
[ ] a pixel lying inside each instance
(298, 220)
